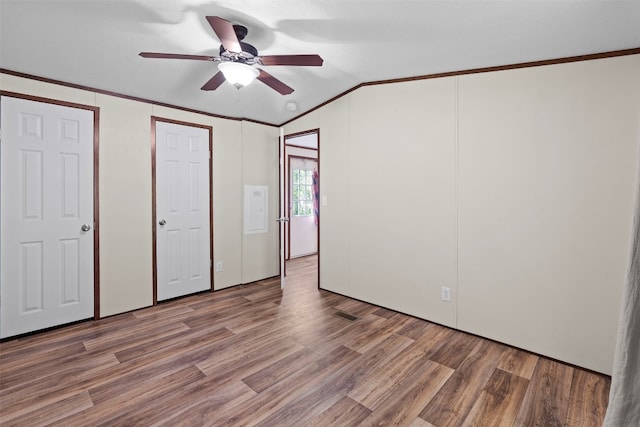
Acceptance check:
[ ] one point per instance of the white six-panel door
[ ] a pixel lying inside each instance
(46, 216)
(183, 243)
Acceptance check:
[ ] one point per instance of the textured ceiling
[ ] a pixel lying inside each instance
(96, 43)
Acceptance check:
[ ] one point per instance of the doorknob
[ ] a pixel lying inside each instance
(85, 227)
(162, 222)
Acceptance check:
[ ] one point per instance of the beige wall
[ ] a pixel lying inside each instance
(548, 159)
(402, 227)
(125, 205)
(260, 167)
(125, 192)
(514, 188)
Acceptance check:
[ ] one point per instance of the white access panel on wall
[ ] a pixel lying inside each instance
(47, 219)
(256, 208)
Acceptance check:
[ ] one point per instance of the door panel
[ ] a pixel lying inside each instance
(46, 258)
(183, 254)
(70, 168)
(31, 281)
(69, 271)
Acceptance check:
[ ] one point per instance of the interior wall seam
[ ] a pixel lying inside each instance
(457, 193)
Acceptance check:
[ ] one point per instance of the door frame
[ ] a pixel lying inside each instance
(288, 205)
(96, 199)
(154, 228)
(315, 131)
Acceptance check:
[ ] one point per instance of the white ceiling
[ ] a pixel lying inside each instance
(96, 43)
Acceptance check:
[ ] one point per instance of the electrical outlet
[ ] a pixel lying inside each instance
(445, 293)
(218, 266)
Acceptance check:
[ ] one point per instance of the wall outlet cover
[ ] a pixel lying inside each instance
(445, 293)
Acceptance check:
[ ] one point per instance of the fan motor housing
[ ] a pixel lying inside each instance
(241, 31)
(248, 52)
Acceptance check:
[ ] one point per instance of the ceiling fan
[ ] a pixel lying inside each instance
(238, 59)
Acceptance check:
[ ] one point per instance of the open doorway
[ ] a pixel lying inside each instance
(301, 195)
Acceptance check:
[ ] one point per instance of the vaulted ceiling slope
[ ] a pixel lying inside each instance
(95, 43)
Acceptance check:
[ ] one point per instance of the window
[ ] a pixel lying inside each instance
(302, 197)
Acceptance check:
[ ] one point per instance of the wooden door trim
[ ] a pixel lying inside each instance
(96, 186)
(301, 133)
(154, 255)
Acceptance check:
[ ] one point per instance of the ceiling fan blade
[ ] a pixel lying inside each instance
(225, 32)
(305, 60)
(274, 83)
(214, 82)
(176, 56)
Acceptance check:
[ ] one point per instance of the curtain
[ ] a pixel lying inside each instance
(624, 397)
(316, 195)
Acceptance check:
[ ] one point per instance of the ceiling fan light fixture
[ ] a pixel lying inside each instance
(237, 73)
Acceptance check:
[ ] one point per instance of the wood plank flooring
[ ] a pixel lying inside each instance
(253, 355)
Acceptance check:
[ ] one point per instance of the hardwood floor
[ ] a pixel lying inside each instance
(253, 355)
